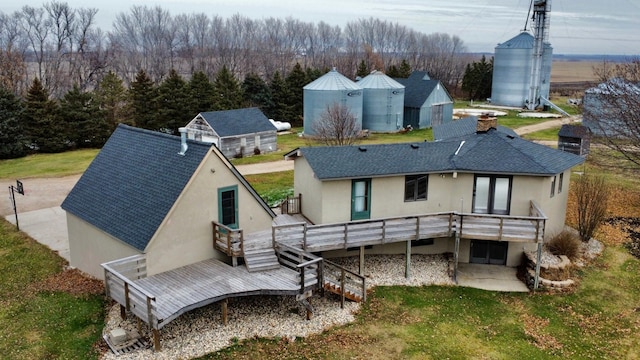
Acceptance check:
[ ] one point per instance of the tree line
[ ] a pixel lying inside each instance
(63, 47)
(79, 119)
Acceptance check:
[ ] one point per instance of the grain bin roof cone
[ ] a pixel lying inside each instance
(512, 70)
(327, 90)
(383, 102)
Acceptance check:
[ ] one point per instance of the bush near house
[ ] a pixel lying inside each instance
(565, 243)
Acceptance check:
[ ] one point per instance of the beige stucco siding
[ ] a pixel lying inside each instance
(185, 236)
(89, 247)
(305, 183)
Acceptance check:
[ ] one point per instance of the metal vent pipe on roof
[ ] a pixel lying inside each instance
(183, 141)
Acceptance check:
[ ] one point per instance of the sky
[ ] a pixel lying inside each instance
(609, 27)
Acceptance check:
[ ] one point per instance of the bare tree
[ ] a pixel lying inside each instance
(337, 126)
(612, 110)
(592, 194)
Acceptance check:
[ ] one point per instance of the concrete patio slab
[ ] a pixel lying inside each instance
(47, 226)
(490, 277)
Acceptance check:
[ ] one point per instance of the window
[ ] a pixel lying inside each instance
(553, 186)
(560, 183)
(415, 187)
(492, 195)
(228, 206)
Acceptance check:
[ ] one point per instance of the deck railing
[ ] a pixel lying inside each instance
(291, 205)
(308, 266)
(227, 240)
(501, 227)
(365, 232)
(119, 277)
(344, 282)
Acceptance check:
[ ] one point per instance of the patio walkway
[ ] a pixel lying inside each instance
(490, 277)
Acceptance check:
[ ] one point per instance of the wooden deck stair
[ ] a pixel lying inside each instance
(259, 254)
(348, 294)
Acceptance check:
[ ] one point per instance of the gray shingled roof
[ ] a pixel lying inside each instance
(132, 184)
(238, 122)
(574, 131)
(417, 90)
(490, 152)
(461, 128)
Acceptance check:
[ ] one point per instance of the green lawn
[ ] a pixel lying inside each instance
(547, 134)
(38, 322)
(599, 320)
(47, 165)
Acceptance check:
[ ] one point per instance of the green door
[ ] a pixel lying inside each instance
(228, 206)
(360, 199)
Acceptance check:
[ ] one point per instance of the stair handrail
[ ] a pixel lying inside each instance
(343, 272)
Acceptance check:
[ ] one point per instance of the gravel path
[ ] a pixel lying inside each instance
(201, 331)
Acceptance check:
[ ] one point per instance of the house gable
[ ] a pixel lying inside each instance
(133, 182)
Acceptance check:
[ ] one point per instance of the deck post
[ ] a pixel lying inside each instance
(156, 339)
(342, 291)
(456, 251)
(123, 313)
(224, 304)
(361, 267)
(536, 280)
(407, 265)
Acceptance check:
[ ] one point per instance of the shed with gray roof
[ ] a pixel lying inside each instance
(427, 102)
(237, 133)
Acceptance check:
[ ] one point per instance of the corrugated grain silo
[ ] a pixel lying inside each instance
(382, 103)
(329, 89)
(512, 65)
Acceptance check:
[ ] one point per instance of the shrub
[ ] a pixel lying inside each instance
(256, 151)
(565, 243)
(592, 194)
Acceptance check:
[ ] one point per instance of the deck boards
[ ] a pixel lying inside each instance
(185, 288)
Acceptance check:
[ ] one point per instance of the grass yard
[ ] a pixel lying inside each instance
(45, 312)
(47, 165)
(546, 135)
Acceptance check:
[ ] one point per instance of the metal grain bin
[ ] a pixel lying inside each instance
(383, 102)
(512, 71)
(327, 90)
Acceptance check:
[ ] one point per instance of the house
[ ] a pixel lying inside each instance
(575, 139)
(237, 133)
(490, 186)
(426, 102)
(144, 194)
(463, 127)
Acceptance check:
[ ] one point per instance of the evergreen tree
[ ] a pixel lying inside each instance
(478, 78)
(88, 125)
(256, 92)
(295, 81)
(393, 72)
(363, 69)
(173, 104)
(12, 139)
(142, 107)
(227, 91)
(45, 130)
(405, 69)
(280, 93)
(111, 96)
(201, 94)
(313, 73)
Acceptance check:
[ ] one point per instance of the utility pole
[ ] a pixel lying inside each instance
(13, 190)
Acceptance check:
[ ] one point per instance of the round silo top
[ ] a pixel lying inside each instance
(379, 80)
(332, 80)
(524, 40)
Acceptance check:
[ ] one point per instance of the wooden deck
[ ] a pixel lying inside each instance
(160, 298)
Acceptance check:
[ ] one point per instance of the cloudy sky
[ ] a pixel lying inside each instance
(577, 27)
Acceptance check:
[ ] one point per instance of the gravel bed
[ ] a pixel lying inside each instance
(201, 331)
